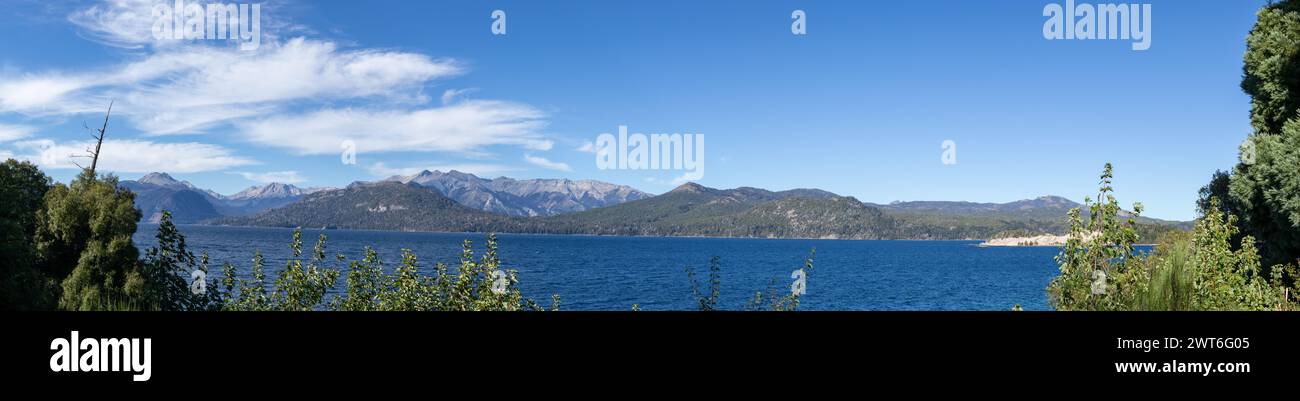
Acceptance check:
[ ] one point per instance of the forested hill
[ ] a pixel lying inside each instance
(689, 210)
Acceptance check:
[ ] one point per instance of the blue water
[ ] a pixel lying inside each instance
(613, 273)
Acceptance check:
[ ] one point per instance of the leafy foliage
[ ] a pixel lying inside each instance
(1225, 279)
(22, 285)
(1272, 67)
(302, 287)
(84, 232)
(246, 295)
(1098, 250)
(476, 285)
(1263, 190)
(707, 302)
(777, 300)
(1268, 194)
(1197, 271)
(162, 283)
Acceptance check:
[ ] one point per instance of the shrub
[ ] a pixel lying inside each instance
(1196, 271)
(162, 282)
(775, 298)
(476, 285)
(1098, 270)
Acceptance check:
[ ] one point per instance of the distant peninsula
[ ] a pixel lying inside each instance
(1037, 240)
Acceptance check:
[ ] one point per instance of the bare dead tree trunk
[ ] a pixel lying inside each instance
(99, 141)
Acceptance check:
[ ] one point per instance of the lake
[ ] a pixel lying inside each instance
(613, 273)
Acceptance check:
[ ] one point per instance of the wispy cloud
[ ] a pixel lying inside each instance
(37, 94)
(303, 95)
(121, 23)
(133, 156)
(283, 177)
(587, 147)
(547, 164)
(188, 90)
(9, 132)
(128, 24)
(450, 95)
(464, 126)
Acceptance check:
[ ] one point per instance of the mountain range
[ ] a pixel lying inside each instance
(689, 210)
(537, 197)
(156, 192)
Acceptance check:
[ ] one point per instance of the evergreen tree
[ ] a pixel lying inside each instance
(1263, 191)
(22, 194)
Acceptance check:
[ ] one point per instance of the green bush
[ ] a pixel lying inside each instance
(780, 298)
(1225, 279)
(163, 279)
(1196, 271)
(1099, 250)
(476, 285)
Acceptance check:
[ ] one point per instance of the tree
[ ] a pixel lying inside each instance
(1272, 67)
(22, 193)
(163, 281)
(1267, 193)
(98, 135)
(1264, 188)
(1219, 189)
(84, 233)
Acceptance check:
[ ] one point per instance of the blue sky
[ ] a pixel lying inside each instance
(858, 106)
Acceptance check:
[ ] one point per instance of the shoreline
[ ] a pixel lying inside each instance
(574, 235)
(1046, 240)
(982, 243)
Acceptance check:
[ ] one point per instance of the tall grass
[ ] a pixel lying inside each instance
(1171, 286)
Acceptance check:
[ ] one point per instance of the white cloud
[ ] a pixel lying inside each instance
(187, 90)
(283, 177)
(134, 156)
(129, 24)
(304, 95)
(10, 132)
(587, 147)
(464, 126)
(450, 95)
(547, 164)
(118, 23)
(36, 94)
(381, 169)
